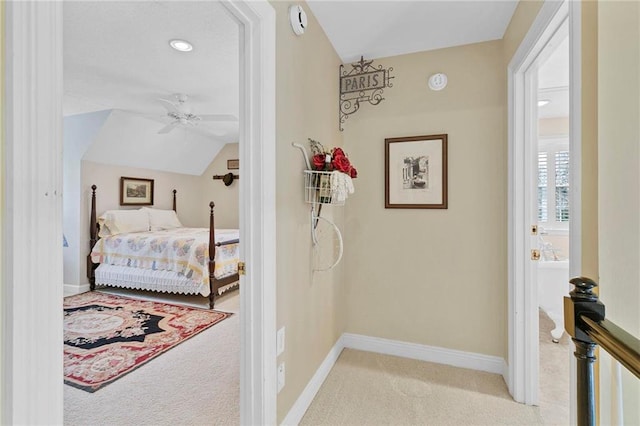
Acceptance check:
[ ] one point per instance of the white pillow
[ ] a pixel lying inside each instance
(114, 222)
(162, 219)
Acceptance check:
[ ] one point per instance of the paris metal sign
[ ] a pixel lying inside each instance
(363, 82)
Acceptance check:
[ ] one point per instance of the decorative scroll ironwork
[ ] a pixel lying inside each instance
(364, 82)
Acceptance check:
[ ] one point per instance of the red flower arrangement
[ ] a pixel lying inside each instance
(328, 161)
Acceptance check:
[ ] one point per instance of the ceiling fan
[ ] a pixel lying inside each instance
(181, 115)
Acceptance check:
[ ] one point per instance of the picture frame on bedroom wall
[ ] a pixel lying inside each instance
(416, 172)
(136, 191)
(233, 164)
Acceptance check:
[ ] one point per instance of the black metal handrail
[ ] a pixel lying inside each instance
(584, 321)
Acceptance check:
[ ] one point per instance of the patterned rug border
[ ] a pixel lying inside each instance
(94, 388)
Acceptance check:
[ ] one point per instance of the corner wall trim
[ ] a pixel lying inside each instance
(295, 414)
(456, 358)
(72, 289)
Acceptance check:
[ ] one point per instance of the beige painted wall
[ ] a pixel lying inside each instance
(521, 21)
(619, 178)
(311, 306)
(415, 275)
(2, 201)
(225, 197)
(107, 178)
(557, 126)
(589, 52)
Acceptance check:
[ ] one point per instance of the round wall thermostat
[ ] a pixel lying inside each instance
(298, 19)
(438, 81)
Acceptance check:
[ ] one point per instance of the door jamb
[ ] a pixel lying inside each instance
(32, 391)
(520, 310)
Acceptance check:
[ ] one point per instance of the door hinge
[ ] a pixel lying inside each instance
(535, 254)
(534, 229)
(241, 268)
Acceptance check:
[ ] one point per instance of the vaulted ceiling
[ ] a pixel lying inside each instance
(117, 56)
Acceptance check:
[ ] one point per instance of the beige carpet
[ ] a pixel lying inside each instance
(372, 389)
(554, 374)
(195, 383)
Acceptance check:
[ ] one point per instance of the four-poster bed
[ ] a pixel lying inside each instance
(170, 259)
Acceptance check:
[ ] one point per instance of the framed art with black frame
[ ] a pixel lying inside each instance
(416, 172)
(136, 191)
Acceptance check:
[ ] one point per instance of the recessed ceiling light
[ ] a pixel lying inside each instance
(181, 45)
(543, 102)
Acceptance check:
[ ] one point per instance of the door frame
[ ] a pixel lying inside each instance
(32, 390)
(522, 374)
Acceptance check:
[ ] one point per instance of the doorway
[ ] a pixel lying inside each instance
(529, 198)
(552, 216)
(32, 389)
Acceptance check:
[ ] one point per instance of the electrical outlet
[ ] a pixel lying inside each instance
(280, 341)
(280, 377)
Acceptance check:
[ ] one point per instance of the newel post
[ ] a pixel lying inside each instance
(583, 302)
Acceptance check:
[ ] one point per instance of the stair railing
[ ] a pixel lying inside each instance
(584, 319)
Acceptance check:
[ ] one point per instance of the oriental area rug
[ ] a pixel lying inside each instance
(107, 336)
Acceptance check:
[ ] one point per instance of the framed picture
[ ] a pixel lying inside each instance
(136, 191)
(233, 164)
(415, 172)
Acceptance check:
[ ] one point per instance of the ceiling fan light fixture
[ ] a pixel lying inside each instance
(181, 45)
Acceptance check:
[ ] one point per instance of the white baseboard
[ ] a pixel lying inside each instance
(295, 414)
(473, 361)
(71, 289)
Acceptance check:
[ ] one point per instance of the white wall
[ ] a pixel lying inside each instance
(78, 133)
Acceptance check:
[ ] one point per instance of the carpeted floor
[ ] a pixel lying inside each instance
(554, 374)
(365, 388)
(196, 383)
(372, 389)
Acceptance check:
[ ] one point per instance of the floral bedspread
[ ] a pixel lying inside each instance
(183, 250)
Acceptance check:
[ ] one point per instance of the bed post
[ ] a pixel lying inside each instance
(174, 200)
(93, 237)
(212, 255)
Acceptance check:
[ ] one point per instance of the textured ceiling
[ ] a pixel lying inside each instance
(117, 56)
(378, 29)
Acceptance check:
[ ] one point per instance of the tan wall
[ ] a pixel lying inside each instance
(190, 201)
(2, 201)
(225, 197)
(415, 275)
(553, 126)
(589, 232)
(311, 306)
(519, 25)
(619, 177)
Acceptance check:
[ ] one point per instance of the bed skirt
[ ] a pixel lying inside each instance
(148, 279)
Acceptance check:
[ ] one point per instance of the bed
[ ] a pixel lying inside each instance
(161, 255)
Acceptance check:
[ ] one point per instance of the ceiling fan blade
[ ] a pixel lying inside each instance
(217, 117)
(168, 128)
(170, 106)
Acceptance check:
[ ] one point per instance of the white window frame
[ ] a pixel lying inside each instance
(553, 145)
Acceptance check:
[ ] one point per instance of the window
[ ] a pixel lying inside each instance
(553, 183)
(562, 186)
(543, 210)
